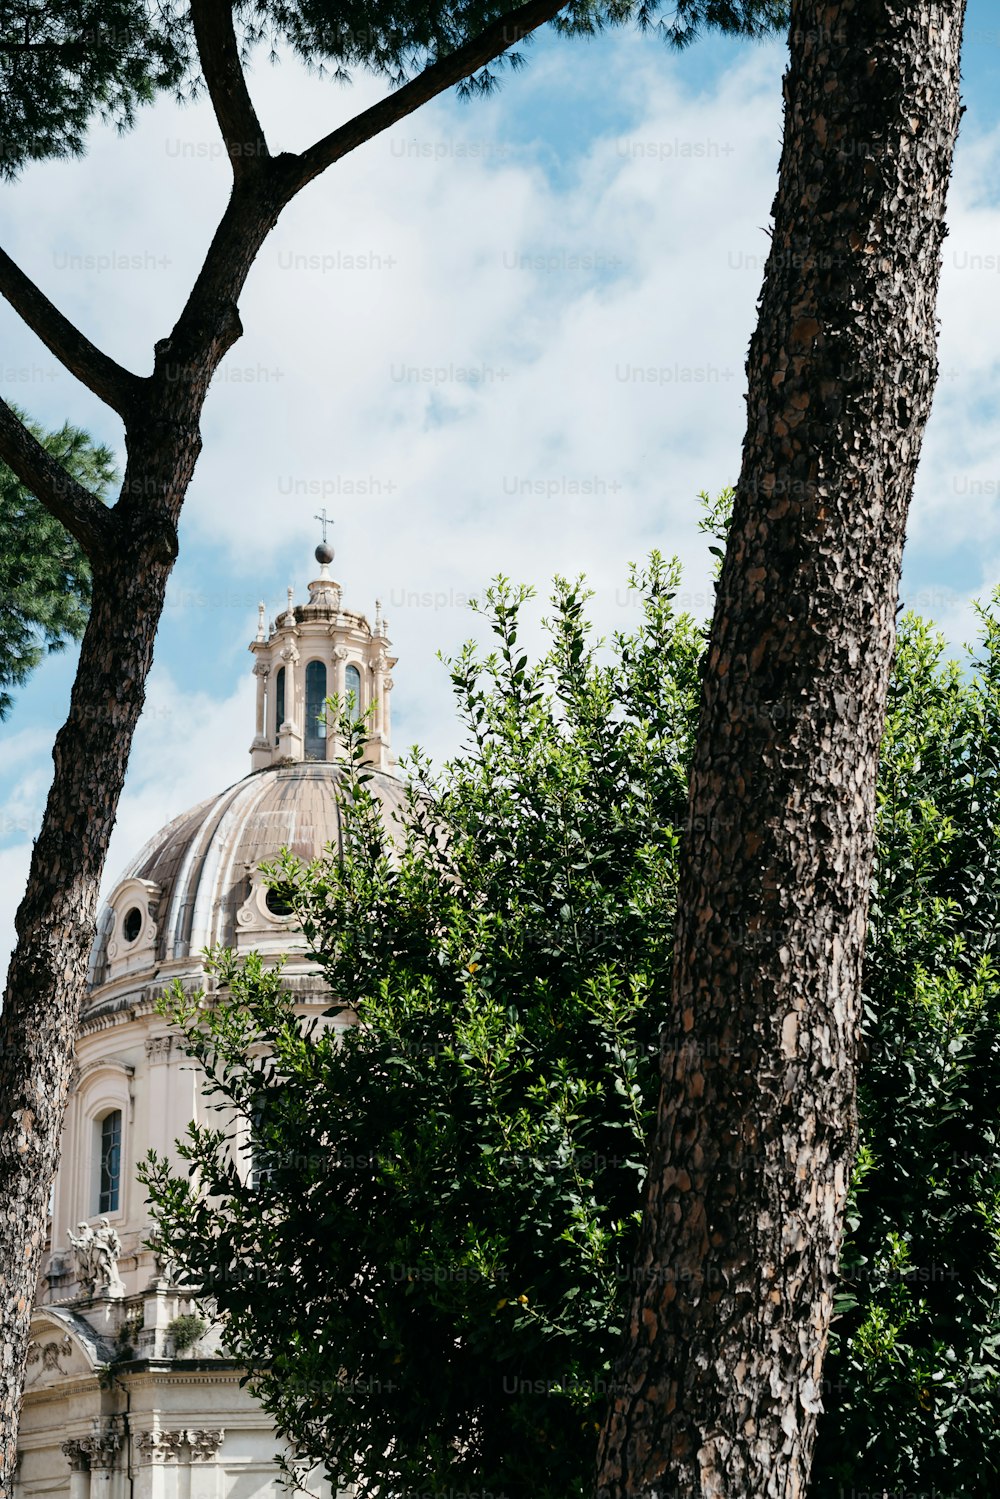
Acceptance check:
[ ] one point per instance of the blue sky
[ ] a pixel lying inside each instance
(508, 336)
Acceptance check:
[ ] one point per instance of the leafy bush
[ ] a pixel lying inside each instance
(185, 1330)
(430, 1278)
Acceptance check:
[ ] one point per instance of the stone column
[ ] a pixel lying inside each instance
(290, 733)
(156, 1450)
(261, 671)
(102, 1450)
(386, 715)
(205, 1472)
(335, 746)
(378, 672)
(260, 750)
(79, 1469)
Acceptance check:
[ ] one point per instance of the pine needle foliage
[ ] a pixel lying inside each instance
(44, 575)
(64, 63)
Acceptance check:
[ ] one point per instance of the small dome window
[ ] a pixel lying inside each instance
(277, 902)
(352, 691)
(132, 924)
(315, 711)
(279, 702)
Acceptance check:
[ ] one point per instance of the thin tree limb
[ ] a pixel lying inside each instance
(227, 87)
(484, 47)
(259, 198)
(82, 513)
(117, 386)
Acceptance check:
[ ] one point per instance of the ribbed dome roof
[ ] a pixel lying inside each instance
(203, 861)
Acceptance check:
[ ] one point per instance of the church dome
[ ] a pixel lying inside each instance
(197, 883)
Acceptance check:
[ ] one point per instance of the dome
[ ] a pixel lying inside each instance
(196, 884)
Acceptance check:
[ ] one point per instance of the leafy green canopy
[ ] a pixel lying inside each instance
(430, 1270)
(62, 64)
(44, 576)
(433, 1264)
(913, 1378)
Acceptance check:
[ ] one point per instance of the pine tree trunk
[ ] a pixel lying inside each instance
(718, 1391)
(55, 921)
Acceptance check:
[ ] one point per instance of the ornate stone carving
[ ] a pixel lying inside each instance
(97, 1252)
(158, 1048)
(50, 1353)
(160, 1446)
(289, 653)
(74, 1452)
(262, 670)
(101, 1448)
(163, 1261)
(205, 1443)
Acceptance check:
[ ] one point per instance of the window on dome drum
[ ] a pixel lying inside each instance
(279, 702)
(277, 902)
(262, 1161)
(315, 714)
(132, 924)
(109, 1189)
(352, 690)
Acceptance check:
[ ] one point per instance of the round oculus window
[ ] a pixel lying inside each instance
(132, 924)
(277, 902)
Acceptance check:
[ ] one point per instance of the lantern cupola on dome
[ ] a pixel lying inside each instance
(315, 651)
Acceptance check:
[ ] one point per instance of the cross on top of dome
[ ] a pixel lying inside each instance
(324, 553)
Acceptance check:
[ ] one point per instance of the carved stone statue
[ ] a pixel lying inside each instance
(97, 1252)
(166, 1269)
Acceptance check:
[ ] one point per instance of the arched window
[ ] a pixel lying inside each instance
(352, 690)
(279, 702)
(262, 1160)
(110, 1162)
(315, 712)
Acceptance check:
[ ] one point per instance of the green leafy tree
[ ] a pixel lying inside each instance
(426, 1272)
(431, 1273)
(912, 1385)
(44, 575)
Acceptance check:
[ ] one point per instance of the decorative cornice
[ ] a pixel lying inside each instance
(99, 1064)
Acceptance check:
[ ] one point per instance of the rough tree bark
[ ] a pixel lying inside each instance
(718, 1390)
(132, 548)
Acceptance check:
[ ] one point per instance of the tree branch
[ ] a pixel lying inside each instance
(82, 513)
(227, 87)
(101, 374)
(209, 322)
(484, 47)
